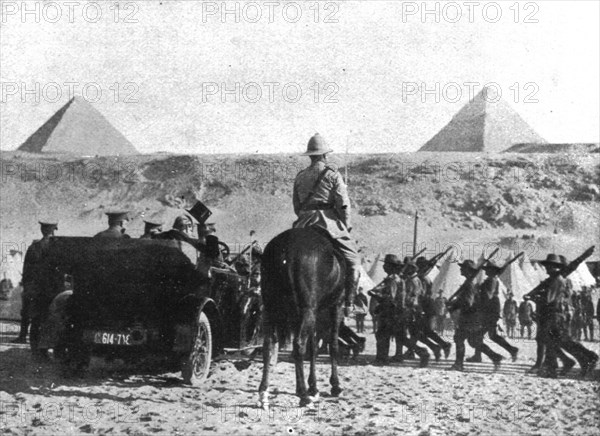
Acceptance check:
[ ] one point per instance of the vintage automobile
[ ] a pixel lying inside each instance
(136, 298)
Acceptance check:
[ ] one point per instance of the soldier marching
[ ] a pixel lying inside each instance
(406, 309)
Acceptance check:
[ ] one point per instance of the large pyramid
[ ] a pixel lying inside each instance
(483, 126)
(80, 129)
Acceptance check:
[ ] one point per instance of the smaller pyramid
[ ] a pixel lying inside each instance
(78, 128)
(483, 126)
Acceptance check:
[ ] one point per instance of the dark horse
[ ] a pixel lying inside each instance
(302, 291)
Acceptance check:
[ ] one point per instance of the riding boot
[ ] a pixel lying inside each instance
(351, 286)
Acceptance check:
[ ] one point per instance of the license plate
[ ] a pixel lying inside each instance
(111, 338)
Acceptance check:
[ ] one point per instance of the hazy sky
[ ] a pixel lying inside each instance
(171, 60)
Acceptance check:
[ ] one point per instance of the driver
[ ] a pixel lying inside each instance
(321, 200)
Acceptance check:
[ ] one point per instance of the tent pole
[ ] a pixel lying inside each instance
(415, 233)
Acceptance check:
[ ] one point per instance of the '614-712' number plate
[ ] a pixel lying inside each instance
(107, 338)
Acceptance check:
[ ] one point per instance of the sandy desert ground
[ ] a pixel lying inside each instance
(397, 399)
(35, 398)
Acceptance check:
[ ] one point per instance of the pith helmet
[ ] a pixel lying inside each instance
(316, 146)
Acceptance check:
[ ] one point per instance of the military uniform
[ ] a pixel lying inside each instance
(385, 293)
(33, 273)
(525, 318)
(440, 313)
(327, 209)
(556, 330)
(588, 315)
(151, 229)
(510, 315)
(489, 312)
(427, 318)
(115, 229)
(469, 326)
(413, 314)
(320, 200)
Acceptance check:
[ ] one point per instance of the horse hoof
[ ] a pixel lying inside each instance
(335, 392)
(263, 400)
(314, 398)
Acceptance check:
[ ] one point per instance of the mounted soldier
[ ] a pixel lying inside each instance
(116, 226)
(321, 201)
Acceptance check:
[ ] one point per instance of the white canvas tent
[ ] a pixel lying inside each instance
(448, 279)
(376, 272)
(515, 281)
(586, 276)
(529, 271)
(365, 281)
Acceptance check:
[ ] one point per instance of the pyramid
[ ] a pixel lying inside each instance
(483, 126)
(80, 129)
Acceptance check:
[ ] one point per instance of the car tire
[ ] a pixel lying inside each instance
(196, 365)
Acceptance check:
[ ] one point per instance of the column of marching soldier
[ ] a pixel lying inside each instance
(405, 311)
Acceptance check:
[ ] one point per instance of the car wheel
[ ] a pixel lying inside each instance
(196, 366)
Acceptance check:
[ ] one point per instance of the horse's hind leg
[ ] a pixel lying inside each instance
(303, 333)
(312, 376)
(270, 349)
(336, 314)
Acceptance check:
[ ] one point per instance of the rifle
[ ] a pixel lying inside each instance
(402, 270)
(433, 261)
(507, 264)
(470, 279)
(564, 271)
(413, 258)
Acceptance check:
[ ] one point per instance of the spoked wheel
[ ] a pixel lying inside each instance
(197, 365)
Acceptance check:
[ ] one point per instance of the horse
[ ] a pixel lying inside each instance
(302, 283)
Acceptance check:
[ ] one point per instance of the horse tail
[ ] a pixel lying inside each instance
(276, 288)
